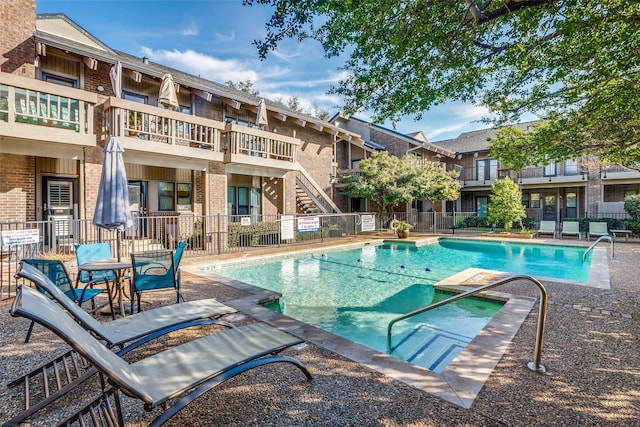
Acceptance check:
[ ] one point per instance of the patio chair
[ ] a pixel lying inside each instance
(571, 228)
(597, 229)
(93, 252)
(171, 379)
(124, 334)
(59, 278)
(547, 227)
(153, 271)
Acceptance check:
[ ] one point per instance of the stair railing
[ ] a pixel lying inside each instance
(600, 239)
(315, 193)
(542, 314)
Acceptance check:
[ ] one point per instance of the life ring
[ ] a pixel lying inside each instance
(393, 223)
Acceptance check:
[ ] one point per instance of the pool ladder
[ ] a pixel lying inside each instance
(600, 239)
(542, 314)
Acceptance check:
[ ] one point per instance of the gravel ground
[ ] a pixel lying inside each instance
(591, 353)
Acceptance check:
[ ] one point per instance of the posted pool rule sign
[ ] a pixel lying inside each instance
(308, 223)
(368, 222)
(286, 227)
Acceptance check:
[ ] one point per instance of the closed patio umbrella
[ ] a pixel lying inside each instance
(112, 206)
(115, 74)
(167, 95)
(262, 114)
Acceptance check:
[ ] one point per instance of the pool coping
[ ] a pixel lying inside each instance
(462, 379)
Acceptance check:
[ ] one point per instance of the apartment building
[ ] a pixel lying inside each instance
(576, 188)
(374, 138)
(206, 155)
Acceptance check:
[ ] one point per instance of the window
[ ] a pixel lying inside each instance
(166, 196)
(550, 170)
(231, 201)
(59, 80)
(571, 167)
(535, 200)
(486, 169)
(185, 196)
(243, 201)
(571, 200)
(526, 200)
(481, 205)
(135, 97)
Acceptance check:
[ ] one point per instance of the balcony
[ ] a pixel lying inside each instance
(617, 173)
(154, 131)
(527, 176)
(54, 119)
(256, 152)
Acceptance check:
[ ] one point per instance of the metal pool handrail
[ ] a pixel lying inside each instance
(600, 239)
(542, 314)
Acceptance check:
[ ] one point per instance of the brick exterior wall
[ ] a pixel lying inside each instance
(18, 189)
(271, 195)
(394, 145)
(217, 189)
(17, 47)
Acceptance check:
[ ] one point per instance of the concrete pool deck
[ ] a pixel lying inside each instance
(591, 353)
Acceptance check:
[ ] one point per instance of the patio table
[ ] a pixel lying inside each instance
(119, 268)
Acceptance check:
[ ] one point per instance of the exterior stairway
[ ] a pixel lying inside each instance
(310, 197)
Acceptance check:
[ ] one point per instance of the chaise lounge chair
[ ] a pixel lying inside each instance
(171, 379)
(597, 229)
(571, 228)
(547, 227)
(135, 330)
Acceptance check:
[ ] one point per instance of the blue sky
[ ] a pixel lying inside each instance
(213, 39)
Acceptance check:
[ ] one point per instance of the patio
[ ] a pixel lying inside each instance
(591, 353)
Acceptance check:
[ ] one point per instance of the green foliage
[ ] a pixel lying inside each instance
(573, 64)
(484, 222)
(389, 181)
(402, 226)
(505, 203)
(258, 233)
(632, 206)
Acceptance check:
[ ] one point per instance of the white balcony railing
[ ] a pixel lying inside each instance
(25, 101)
(147, 123)
(258, 143)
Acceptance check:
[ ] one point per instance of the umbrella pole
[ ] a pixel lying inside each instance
(118, 244)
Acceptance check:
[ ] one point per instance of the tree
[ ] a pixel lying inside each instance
(574, 64)
(389, 181)
(505, 203)
(244, 86)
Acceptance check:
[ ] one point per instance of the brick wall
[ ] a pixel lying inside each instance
(394, 145)
(17, 188)
(217, 189)
(17, 48)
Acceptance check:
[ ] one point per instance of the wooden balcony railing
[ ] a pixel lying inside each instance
(134, 120)
(67, 111)
(258, 143)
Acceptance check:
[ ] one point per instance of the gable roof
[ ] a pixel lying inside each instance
(415, 142)
(59, 31)
(477, 140)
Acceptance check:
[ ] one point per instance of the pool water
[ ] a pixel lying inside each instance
(355, 293)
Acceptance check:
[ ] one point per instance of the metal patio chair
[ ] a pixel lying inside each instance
(153, 271)
(571, 228)
(547, 227)
(597, 229)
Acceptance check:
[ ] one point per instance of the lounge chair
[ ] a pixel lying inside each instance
(171, 379)
(57, 273)
(571, 228)
(547, 227)
(135, 330)
(142, 327)
(597, 229)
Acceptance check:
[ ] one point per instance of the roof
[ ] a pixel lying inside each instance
(416, 141)
(59, 31)
(477, 140)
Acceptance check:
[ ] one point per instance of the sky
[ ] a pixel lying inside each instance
(213, 39)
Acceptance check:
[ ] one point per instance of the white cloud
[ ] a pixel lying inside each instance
(202, 65)
(191, 30)
(224, 38)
